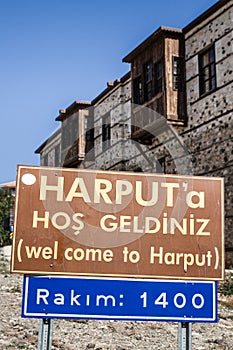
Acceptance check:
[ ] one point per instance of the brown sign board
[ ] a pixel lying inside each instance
(119, 224)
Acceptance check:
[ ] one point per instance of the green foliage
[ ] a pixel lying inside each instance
(6, 203)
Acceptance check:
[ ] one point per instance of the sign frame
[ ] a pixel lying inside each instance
(187, 252)
(119, 299)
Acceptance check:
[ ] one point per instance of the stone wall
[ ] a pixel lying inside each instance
(208, 135)
(117, 104)
(48, 154)
(204, 146)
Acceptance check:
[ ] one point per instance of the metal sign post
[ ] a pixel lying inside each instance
(45, 334)
(185, 336)
(177, 220)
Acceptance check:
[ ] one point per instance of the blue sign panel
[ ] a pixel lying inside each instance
(119, 299)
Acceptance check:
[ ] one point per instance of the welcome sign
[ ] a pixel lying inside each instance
(104, 223)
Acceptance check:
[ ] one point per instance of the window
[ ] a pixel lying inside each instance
(57, 156)
(148, 73)
(177, 73)
(137, 90)
(161, 165)
(207, 71)
(46, 160)
(106, 132)
(158, 76)
(69, 131)
(89, 128)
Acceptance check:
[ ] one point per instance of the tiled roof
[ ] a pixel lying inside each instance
(11, 184)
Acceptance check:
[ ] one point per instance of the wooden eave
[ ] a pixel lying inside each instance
(74, 107)
(161, 31)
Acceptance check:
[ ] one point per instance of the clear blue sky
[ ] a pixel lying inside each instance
(54, 52)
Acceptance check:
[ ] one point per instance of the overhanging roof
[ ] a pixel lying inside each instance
(75, 106)
(205, 15)
(154, 36)
(11, 184)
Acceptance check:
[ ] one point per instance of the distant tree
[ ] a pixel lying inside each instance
(6, 203)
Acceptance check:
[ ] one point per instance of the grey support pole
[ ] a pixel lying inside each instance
(185, 336)
(45, 334)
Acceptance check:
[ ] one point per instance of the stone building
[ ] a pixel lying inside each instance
(171, 113)
(50, 150)
(209, 87)
(111, 111)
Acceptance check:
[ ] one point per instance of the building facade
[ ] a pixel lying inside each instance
(172, 113)
(209, 88)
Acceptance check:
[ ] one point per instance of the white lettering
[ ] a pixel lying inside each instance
(59, 299)
(154, 194)
(123, 188)
(62, 215)
(74, 298)
(112, 226)
(125, 221)
(186, 260)
(105, 299)
(148, 224)
(170, 191)
(100, 191)
(79, 222)
(44, 219)
(200, 231)
(42, 295)
(89, 254)
(57, 188)
(78, 182)
(200, 202)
